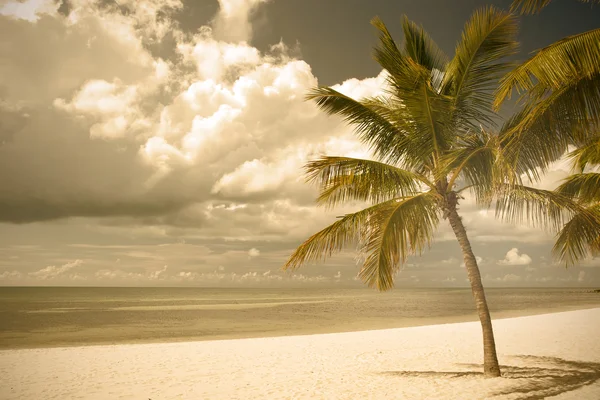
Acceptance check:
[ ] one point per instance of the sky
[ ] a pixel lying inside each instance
(161, 142)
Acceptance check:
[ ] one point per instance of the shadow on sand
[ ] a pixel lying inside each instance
(541, 377)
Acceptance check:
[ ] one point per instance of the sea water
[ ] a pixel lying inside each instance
(73, 316)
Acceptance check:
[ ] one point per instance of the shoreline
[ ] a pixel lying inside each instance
(349, 328)
(554, 355)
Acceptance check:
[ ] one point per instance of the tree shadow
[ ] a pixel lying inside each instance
(542, 377)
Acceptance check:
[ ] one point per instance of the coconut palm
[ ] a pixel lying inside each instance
(431, 139)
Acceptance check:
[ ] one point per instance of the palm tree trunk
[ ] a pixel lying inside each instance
(490, 359)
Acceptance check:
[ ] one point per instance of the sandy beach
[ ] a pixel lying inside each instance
(544, 356)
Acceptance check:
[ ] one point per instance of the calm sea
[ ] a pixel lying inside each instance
(44, 317)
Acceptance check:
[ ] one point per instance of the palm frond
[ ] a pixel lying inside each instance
(372, 127)
(389, 233)
(431, 113)
(387, 53)
(474, 159)
(479, 62)
(528, 6)
(343, 179)
(535, 6)
(412, 83)
(406, 149)
(536, 207)
(529, 151)
(344, 232)
(560, 64)
(580, 237)
(406, 230)
(571, 113)
(587, 154)
(419, 46)
(585, 187)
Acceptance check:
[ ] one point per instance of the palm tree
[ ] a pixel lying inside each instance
(560, 86)
(430, 135)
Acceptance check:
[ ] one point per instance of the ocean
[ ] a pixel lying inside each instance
(33, 317)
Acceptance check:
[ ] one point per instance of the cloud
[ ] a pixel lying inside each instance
(10, 275)
(29, 10)
(159, 273)
(513, 257)
(51, 271)
(581, 276)
(111, 106)
(511, 278)
(253, 252)
(449, 261)
(232, 23)
(219, 123)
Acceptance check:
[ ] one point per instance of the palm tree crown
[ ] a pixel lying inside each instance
(430, 141)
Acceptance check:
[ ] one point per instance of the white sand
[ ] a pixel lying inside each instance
(543, 356)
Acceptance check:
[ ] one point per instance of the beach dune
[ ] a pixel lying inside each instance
(545, 356)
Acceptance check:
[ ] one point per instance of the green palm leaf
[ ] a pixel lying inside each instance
(587, 154)
(580, 237)
(388, 232)
(407, 229)
(562, 63)
(389, 56)
(479, 61)
(473, 160)
(415, 86)
(531, 206)
(535, 6)
(585, 187)
(343, 179)
(542, 131)
(342, 233)
(420, 48)
(388, 138)
(530, 151)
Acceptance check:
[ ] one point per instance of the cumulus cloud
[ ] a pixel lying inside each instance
(52, 271)
(159, 273)
(216, 277)
(513, 257)
(232, 22)
(511, 278)
(253, 252)
(10, 275)
(29, 10)
(224, 121)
